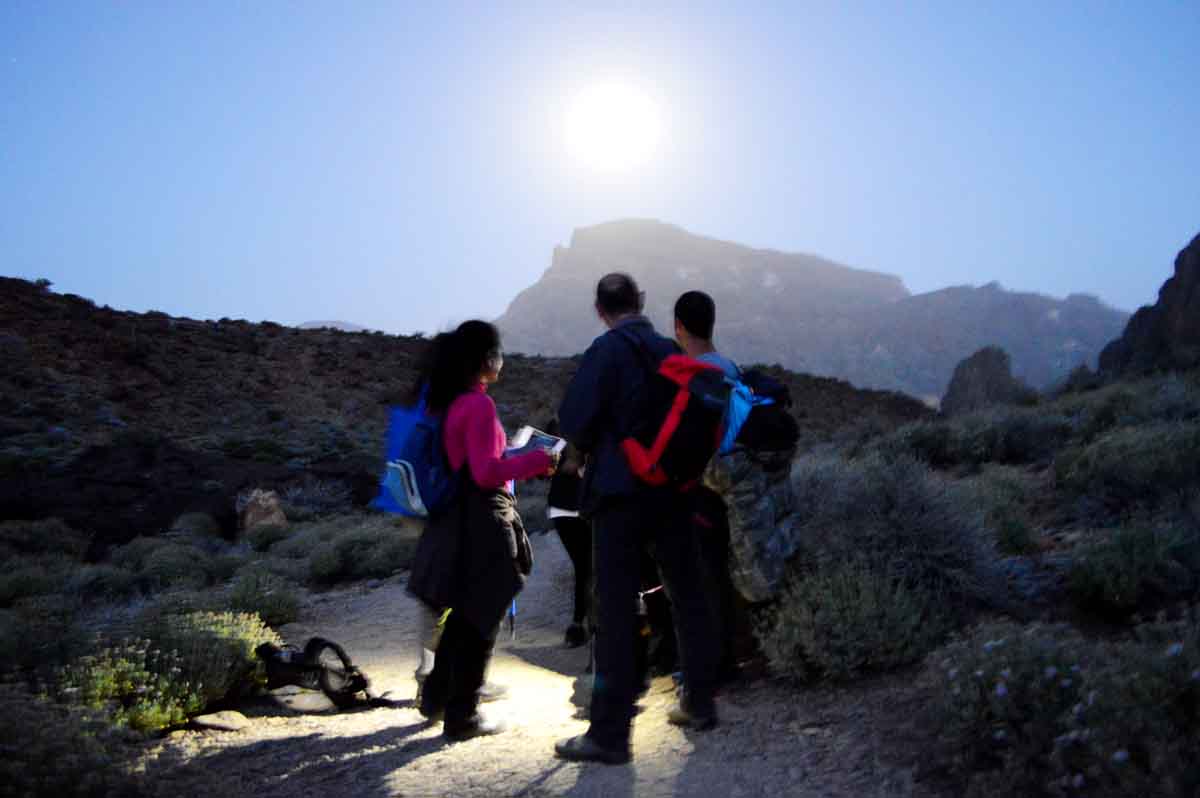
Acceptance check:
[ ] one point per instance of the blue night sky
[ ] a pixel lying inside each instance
(405, 166)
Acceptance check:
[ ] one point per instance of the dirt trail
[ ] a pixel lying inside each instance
(773, 739)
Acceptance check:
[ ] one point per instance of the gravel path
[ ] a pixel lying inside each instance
(773, 740)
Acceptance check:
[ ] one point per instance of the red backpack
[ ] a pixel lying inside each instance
(684, 419)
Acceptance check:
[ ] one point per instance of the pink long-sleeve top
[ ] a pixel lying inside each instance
(473, 435)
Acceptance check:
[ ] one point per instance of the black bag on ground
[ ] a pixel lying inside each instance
(322, 665)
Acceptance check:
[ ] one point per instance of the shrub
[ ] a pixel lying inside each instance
(260, 591)
(1002, 493)
(848, 621)
(262, 537)
(176, 566)
(200, 525)
(26, 577)
(41, 632)
(216, 650)
(49, 536)
(1042, 711)
(1132, 466)
(314, 497)
(133, 683)
(132, 556)
(1008, 435)
(1136, 568)
(224, 567)
(880, 542)
(55, 750)
(102, 581)
(373, 547)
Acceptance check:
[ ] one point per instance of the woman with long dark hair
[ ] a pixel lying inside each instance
(493, 554)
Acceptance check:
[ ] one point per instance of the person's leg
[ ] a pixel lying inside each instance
(427, 627)
(616, 550)
(576, 537)
(472, 653)
(678, 561)
(435, 688)
(711, 524)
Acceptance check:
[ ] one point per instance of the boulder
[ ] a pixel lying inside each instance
(1165, 335)
(982, 380)
(262, 508)
(221, 721)
(757, 489)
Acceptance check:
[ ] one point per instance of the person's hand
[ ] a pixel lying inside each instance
(554, 459)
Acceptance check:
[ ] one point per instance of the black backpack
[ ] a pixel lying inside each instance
(683, 422)
(322, 665)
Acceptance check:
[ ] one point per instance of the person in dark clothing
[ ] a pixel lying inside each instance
(604, 403)
(492, 554)
(562, 506)
(695, 320)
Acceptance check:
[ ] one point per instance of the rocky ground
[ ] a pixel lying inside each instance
(774, 739)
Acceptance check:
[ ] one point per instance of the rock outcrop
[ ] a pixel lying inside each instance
(1165, 335)
(982, 380)
(806, 313)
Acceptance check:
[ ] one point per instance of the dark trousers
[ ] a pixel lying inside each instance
(622, 527)
(710, 522)
(576, 536)
(458, 669)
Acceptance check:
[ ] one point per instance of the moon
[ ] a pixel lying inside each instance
(612, 127)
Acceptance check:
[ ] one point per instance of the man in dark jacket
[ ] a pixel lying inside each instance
(603, 405)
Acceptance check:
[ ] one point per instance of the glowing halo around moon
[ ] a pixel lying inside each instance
(612, 127)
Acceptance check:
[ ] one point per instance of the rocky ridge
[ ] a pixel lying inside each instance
(807, 313)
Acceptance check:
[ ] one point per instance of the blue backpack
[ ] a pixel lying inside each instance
(757, 415)
(417, 480)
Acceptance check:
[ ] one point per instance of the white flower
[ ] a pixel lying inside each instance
(1051, 672)
(1077, 782)
(1001, 689)
(1006, 673)
(989, 645)
(1120, 757)
(1175, 649)
(978, 674)
(953, 674)
(1066, 683)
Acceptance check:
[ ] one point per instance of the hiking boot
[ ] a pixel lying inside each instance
(684, 715)
(476, 726)
(490, 691)
(585, 749)
(576, 636)
(430, 712)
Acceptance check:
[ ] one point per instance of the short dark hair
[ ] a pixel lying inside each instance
(617, 293)
(697, 313)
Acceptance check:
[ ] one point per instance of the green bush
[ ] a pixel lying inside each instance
(176, 566)
(132, 555)
(1137, 568)
(26, 577)
(259, 591)
(1173, 397)
(200, 525)
(373, 548)
(133, 683)
(50, 536)
(52, 749)
(102, 581)
(1043, 711)
(263, 537)
(41, 632)
(224, 567)
(1008, 435)
(1133, 466)
(880, 542)
(849, 621)
(1003, 494)
(216, 649)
